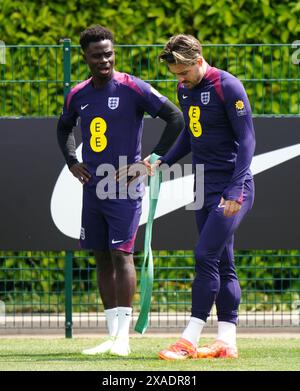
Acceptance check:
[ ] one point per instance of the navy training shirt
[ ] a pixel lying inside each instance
(111, 118)
(218, 130)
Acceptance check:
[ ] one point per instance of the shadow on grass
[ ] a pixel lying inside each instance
(70, 357)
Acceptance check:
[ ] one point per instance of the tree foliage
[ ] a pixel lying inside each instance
(32, 78)
(151, 21)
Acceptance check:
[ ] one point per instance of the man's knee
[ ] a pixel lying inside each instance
(121, 259)
(103, 260)
(207, 262)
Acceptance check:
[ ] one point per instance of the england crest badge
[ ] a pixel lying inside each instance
(113, 102)
(205, 97)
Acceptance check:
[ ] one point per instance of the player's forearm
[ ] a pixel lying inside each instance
(180, 149)
(66, 142)
(243, 161)
(174, 125)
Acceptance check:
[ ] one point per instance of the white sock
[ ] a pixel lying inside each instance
(193, 330)
(124, 319)
(227, 332)
(112, 321)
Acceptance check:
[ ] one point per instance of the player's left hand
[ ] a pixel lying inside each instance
(230, 207)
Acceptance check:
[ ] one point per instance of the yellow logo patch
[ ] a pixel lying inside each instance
(195, 126)
(239, 104)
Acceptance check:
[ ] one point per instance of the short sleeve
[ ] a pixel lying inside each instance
(150, 99)
(69, 114)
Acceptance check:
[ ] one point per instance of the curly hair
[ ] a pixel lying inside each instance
(181, 49)
(94, 34)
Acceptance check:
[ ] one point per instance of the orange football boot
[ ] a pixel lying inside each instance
(180, 350)
(217, 349)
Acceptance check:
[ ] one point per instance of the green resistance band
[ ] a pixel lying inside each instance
(147, 267)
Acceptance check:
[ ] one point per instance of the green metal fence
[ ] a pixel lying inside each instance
(58, 290)
(33, 78)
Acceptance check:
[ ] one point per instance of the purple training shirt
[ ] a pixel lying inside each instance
(219, 130)
(111, 118)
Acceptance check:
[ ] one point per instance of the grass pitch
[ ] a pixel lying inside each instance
(57, 354)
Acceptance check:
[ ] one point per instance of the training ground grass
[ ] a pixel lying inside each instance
(57, 354)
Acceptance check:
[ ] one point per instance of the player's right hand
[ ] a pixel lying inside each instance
(153, 167)
(80, 171)
(131, 172)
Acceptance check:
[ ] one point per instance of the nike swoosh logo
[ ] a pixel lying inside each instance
(271, 159)
(116, 241)
(184, 96)
(83, 107)
(66, 213)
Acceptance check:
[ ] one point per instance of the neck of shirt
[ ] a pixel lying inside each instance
(98, 83)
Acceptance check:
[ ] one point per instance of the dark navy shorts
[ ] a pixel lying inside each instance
(110, 223)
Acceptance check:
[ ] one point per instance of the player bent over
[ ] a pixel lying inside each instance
(219, 132)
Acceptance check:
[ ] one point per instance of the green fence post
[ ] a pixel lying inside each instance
(68, 293)
(67, 65)
(69, 257)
